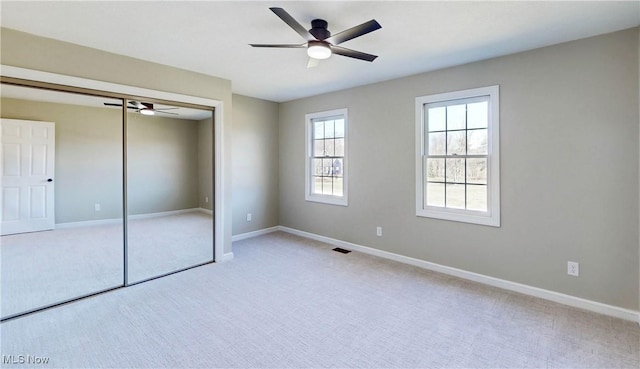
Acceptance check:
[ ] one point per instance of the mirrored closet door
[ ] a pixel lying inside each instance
(99, 193)
(62, 197)
(169, 189)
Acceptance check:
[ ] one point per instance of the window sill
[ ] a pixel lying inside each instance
(331, 200)
(461, 216)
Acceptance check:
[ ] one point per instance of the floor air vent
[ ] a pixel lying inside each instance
(342, 250)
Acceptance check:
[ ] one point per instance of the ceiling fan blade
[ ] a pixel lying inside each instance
(119, 105)
(288, 19)
(287, 46)
(164, 112)
(354, 32)
(158, 109)
(136, 104)
(353, 53)
(313, 62)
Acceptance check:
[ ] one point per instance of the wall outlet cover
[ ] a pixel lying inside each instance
(573, 268)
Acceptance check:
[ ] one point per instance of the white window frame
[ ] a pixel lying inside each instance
(327, 199)
(492, 216)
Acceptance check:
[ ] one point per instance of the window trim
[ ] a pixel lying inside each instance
(492, 216)
(326, 199)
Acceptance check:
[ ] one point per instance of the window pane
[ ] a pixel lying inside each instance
(477, 197)
(455, 196)
(339, 147)
(329, 145)
(326, 167)
(477, 171)
(477, 142)
(436, 119)
(477, 115)
(327, 184)
(318, 131)
(456, 143)
(318, 148)
(337, 187)
(336, 167)
(329, 129)
(437, 143)
(316, 185)
(435, 194)
(456, 117)
(317, 167)
(455, 171)
(435, 170)
(339, 128)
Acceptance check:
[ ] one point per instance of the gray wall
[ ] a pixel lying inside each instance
(569, 169)
(163, 159)
(24, 50)
(162, 164)
(255, 164)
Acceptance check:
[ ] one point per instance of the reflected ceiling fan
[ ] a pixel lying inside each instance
(144, 108)
(320, 43)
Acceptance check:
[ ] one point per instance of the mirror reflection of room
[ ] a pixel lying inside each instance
(169, 189)
(61, 225)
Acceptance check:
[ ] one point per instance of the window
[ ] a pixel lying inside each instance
(326, 162)
(457, 156)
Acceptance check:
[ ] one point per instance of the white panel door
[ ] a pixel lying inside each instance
(27, 167)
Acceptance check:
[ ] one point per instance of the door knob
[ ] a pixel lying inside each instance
(50, 180)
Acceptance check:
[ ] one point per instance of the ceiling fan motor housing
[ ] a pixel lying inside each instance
(319, 29)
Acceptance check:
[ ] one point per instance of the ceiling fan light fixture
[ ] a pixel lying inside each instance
(146, 111)
(318, 50)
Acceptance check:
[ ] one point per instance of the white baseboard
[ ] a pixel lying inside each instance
(162, 214)
(243, 236)
(206, 211)
(561, 298)
(99, 222)
(225, 257)
(88, 223)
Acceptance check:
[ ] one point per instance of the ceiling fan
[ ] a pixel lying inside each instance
(144, 108)
(320, 43)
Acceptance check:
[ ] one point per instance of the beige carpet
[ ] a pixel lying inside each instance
(43, 268)
(288, 302)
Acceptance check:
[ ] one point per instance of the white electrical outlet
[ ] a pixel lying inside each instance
(248, 217)
(573, 268)
(96, 207)
(206, 199)
(379, 231)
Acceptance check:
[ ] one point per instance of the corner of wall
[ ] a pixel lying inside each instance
(255, 164)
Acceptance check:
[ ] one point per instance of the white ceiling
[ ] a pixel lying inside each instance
(212, 37)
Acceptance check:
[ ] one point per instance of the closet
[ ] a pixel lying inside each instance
(99, 191)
